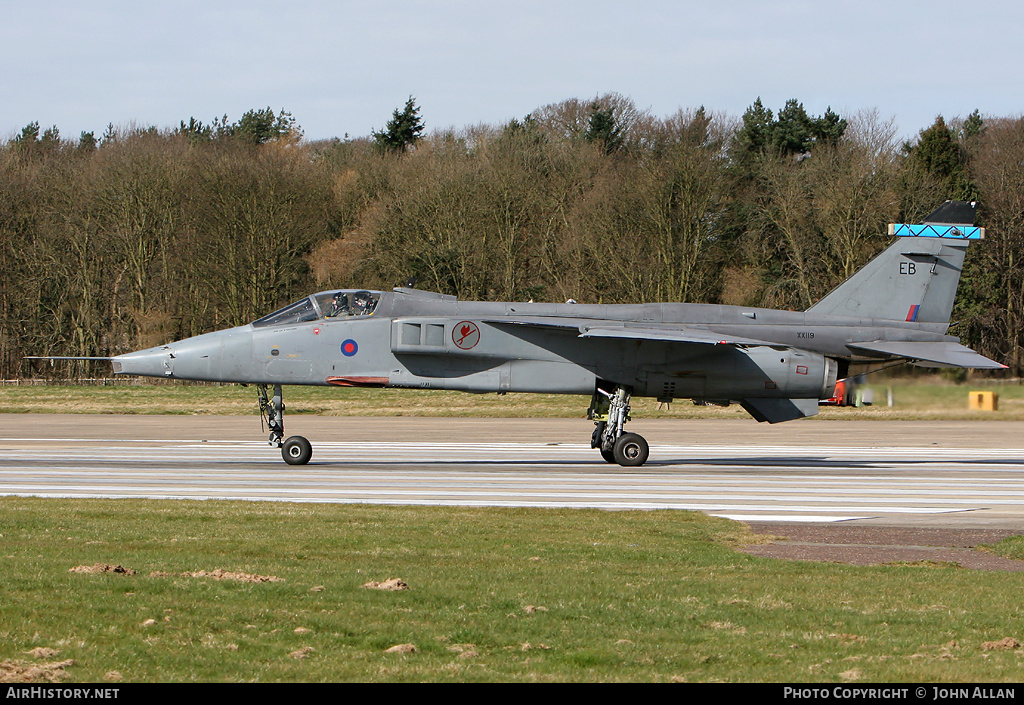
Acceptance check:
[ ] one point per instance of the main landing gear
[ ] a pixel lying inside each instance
(296, 450)
(609, 409)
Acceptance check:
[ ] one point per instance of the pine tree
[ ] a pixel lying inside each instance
(757, 126)
(403, 130)
(938, 154)
(29, 134)
(605, 128)
(793, 132)
(87, 142)
(261, 126)
(974, 125)
(829, 128)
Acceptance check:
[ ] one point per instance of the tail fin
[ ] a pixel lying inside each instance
(916, 278)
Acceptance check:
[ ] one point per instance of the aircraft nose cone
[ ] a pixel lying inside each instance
(224, 356)
(154, 362)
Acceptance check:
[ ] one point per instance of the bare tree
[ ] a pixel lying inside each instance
(992, 307)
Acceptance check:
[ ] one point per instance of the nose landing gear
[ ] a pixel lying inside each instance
(296, 450)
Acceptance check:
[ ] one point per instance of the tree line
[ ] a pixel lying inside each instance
(146, 235)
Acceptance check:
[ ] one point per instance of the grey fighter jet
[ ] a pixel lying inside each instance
(775, 364)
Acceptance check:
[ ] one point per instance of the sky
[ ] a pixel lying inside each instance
(341, 68)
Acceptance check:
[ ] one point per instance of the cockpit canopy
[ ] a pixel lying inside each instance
(346, 303)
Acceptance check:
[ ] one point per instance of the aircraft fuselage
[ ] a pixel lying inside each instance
(418, 340)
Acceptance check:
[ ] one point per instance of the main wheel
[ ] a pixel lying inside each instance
(631, 450)
(608, 455)
(296, 451)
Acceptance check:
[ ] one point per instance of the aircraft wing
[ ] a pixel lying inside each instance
(699, 336)
(536, 322)
(673, 334)
(939, 354)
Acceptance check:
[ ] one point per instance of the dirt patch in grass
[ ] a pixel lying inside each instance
(25, 672)
(220, 574)
(98, 568)
(389, 584)
(216, 574)
(402, 649)
(1001, 645)
(881, 545)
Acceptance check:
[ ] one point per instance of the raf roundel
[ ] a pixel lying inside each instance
(349, 348)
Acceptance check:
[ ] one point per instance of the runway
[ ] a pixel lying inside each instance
(968, 474)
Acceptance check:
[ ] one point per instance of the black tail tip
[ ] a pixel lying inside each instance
(953, 213)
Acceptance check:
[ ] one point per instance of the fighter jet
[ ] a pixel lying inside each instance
(775, 364)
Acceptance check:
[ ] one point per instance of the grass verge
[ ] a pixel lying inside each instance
(493, 595)
(1012, 547)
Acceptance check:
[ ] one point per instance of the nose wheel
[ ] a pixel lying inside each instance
(296, 450)
(610, 412)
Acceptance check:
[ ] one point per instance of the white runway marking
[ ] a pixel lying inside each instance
(741, 482)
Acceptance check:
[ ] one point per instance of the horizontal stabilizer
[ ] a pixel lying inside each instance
(941, 354)
(778, 410)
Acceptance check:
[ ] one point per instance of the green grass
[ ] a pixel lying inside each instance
(170, 398)
(934, 397)
(915, 398)
(1012, 547)
(536, 595)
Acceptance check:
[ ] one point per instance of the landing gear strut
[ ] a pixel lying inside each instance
(610, 412)
(296, 450)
